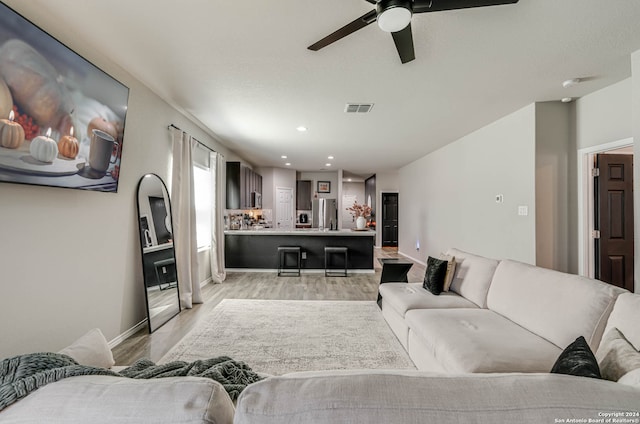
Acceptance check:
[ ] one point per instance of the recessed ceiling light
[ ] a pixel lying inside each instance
(570, 82)
(288, 164)
(301, 128)
(327, 164)
(349, 179)
(330, 157)
(566, 100)
(283, 157)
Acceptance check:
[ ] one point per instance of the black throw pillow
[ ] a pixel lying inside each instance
(577, 359)
(434, 275)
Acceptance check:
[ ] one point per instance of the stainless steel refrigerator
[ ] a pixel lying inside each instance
(325, 214)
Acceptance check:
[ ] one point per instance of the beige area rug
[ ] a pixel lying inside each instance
(281, 336)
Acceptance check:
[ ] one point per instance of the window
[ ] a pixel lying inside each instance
(203, 193)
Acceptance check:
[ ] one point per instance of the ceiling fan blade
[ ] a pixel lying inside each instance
(404, 44)
(350, 28)
(422, 6)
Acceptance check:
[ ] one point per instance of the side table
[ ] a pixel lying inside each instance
(394, 270)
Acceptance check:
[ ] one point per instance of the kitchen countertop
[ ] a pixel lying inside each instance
(301, 232)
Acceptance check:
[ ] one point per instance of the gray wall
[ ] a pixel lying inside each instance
(70, 259)
(447, 198)
(553, 137)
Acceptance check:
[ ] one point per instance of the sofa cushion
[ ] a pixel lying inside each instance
(577, 359)
(106, 399)
(472, 276)
(557, 306)
(403, 297)
(479, 340)
(417, 397)
(626, 316)
(91, 349)
(616, 355)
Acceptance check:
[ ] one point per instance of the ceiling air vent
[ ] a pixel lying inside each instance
(358, 107)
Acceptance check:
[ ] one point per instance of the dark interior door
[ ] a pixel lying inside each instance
(389, 219)
(159, 214)
(614, 220)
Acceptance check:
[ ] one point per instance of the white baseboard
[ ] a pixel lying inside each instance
(205, 282)
(122, 337)
(304, 271)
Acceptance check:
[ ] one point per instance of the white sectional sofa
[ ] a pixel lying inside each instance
(499, 316)
(484, 351)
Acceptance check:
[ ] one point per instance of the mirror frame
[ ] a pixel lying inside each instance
(155, 325)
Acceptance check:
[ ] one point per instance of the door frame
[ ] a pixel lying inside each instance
(586, 248)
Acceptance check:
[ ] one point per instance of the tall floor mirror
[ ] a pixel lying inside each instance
(158, 255)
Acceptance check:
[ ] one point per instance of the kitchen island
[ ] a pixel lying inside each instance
(258, 249)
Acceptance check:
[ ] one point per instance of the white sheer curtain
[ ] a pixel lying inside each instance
(218, 182)
(184, 219)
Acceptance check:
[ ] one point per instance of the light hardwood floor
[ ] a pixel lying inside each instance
(257, 285)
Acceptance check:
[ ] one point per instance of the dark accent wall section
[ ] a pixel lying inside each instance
(261, 251)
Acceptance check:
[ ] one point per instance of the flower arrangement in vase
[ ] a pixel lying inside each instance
(360, 213)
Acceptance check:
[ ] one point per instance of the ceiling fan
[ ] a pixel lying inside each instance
(394, 16)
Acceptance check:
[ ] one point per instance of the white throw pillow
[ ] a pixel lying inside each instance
(616, 356)
(91, 349)
(451, 269)
(631, 378)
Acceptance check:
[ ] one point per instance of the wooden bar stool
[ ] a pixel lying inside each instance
(283, 270)
(330, 251)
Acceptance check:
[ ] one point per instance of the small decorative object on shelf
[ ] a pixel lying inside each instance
(44, 148)
(68, 145)
(360, 214)
(11, 133)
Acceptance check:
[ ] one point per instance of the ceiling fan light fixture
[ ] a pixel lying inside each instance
(394, 15)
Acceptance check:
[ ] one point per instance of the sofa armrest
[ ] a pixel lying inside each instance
(106, 399)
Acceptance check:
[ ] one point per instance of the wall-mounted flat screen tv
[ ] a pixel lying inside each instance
(62, 119)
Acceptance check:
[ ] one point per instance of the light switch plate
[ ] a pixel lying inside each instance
(523, 210)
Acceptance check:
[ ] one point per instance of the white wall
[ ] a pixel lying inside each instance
(350, 190)
(70, 259)
(447, 198)
(635, 89)
(604, 115)
(331, 176)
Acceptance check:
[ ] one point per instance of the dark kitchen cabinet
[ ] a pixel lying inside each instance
(303, 195)
(241, 182)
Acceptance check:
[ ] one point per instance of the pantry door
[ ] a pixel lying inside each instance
(284, 208)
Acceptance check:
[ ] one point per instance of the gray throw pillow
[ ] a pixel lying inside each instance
(434, 275)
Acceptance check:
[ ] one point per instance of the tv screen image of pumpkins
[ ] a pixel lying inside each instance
(62, 119)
